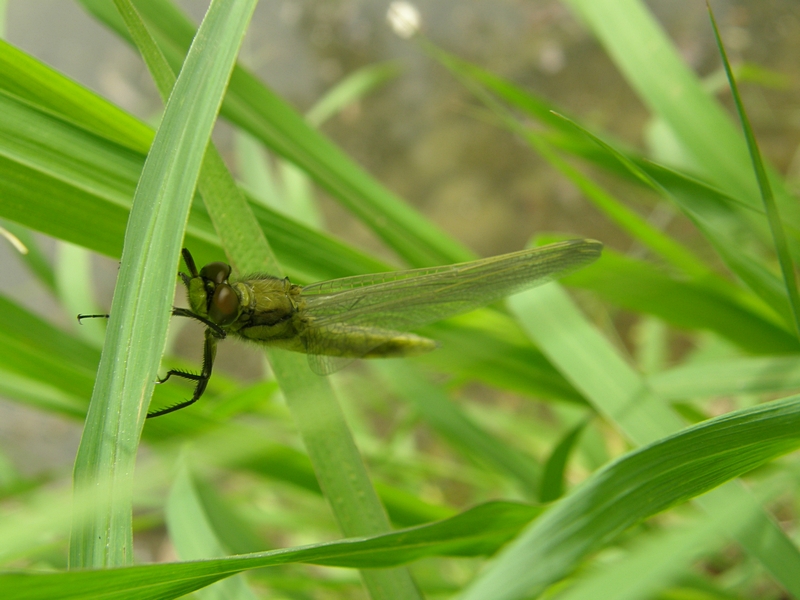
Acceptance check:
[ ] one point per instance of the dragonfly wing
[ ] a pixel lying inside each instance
(325, 365)
(408, 299)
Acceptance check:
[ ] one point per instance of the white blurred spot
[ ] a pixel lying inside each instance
(404, 19)
(551, 58)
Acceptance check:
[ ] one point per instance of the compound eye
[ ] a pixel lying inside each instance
(217, 272)
(224, 307)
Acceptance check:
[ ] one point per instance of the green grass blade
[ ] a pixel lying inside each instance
(654, 69)
(770, 207)
(141, 307)
(444, 416)
(29, 79)
(475, 532)
(337, 462)
(353, 87)
(634, 487)
(746, 375)
(77, 186)
(628, 490)
(618, 392)
(640, 286)
(553, 477)
(195, 539)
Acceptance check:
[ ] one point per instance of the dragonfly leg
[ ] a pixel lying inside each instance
(178, 312)
(185, 312)
(209, 352)
(82, 317)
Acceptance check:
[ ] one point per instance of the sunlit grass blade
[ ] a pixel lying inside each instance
(145, 287)
(30, 79)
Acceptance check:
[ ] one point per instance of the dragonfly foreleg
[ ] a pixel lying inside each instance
(209, 352)
(185, 312)
(82, 317)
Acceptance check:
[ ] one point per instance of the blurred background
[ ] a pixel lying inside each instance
(421, 133)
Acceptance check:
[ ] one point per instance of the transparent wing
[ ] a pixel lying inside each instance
(405, 300)
(325, 365)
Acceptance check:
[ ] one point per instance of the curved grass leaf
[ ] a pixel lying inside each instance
(770, 207)
(642, 287)
(590, 362)
(635, 487)
(726, 234)
(477, 531)
(553, 477)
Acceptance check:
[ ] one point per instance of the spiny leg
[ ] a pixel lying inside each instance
(185, 312)
(213, 332)
(209, 352)
(177, 312)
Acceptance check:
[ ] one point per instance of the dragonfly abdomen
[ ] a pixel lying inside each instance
(354, 341)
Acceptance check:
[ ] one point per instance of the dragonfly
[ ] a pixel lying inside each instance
(365, 316)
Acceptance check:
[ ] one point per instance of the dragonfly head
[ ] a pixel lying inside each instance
(210, 294)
